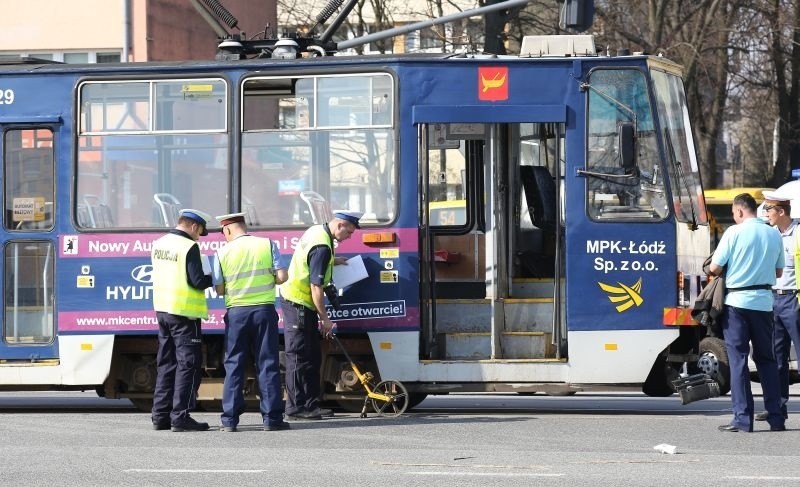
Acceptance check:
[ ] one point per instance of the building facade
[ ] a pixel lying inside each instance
(96, 31)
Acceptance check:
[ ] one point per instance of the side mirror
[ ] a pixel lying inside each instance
(627, 146)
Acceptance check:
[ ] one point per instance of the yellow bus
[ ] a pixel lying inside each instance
(448, 213)
(718, 205)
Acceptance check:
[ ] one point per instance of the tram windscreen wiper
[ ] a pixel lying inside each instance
(629, 177)
(681, 175)
(611, 177)
(623, 107)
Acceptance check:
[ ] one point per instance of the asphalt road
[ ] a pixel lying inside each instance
(590, 439)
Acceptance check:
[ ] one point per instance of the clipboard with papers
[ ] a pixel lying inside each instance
(347, 275)
(206, 261)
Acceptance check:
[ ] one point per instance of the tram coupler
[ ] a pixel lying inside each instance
(696, 387)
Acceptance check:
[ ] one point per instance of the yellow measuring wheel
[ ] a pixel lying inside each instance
(389, 398)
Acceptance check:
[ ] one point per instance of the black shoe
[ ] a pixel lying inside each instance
(328, 413)
(763, 416)
(305, 416)
(189, 424)
(161, 426)
(283, 425)
(312, 415)
(781, 427)
(728, 427)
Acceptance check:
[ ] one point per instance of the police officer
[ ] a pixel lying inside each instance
(785, 310)
(750, 254)
(246, 271)
(180, 304)
(303, 304)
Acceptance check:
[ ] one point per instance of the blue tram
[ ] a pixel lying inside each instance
(531, 222)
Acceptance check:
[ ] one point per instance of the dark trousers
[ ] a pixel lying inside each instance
(740, 327)
(303, 358)
(252, 331)
(178, 362)
(786, 321)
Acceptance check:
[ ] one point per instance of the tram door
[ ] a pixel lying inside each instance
(491, 241)
(29, 244)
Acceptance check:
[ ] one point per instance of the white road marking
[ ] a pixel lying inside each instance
(759, 477)
(488, 474)
(187, 470)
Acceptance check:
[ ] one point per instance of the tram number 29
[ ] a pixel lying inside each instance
(6, 97)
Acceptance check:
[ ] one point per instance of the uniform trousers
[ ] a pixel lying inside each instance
(302, 346)
(252, 331)
(786, 320)
(741, 326)
(178, 362)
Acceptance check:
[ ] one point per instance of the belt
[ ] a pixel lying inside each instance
(751, 288)
(295, 305)
(785, 291)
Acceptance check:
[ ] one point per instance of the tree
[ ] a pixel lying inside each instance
(784, 36)
(741, 62)
(692, 33)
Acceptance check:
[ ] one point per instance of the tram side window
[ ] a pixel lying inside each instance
(148, 148)
(28, 292)
(28, 179)
(308, 139)
(622, 188)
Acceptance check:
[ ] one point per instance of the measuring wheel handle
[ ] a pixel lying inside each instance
(364, 408)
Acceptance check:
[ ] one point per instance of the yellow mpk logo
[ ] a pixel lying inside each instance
(626, 296)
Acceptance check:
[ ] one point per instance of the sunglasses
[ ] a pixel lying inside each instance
(770, 207)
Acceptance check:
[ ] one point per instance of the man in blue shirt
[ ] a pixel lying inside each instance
(751, 255)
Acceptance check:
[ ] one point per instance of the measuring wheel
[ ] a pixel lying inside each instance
(398, 398)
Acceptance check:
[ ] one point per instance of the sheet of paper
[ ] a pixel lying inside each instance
(347, 275)
(206, 264)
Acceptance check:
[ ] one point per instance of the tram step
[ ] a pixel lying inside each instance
(513, 345)
(530, 315)
(475, 315)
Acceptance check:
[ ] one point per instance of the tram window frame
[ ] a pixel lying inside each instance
(686, 187)
(329, 137)
(610, 183)
(449, 198)
(19, 301)
(148, 147)
(29, 179)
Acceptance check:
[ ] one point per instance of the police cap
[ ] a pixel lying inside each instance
(349, 216)
(198, 216)
(230, 218)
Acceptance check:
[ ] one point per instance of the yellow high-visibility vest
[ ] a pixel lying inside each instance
(172, 292)
(247, 267)
(297, 288)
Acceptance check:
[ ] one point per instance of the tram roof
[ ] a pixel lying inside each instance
(32, 65)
